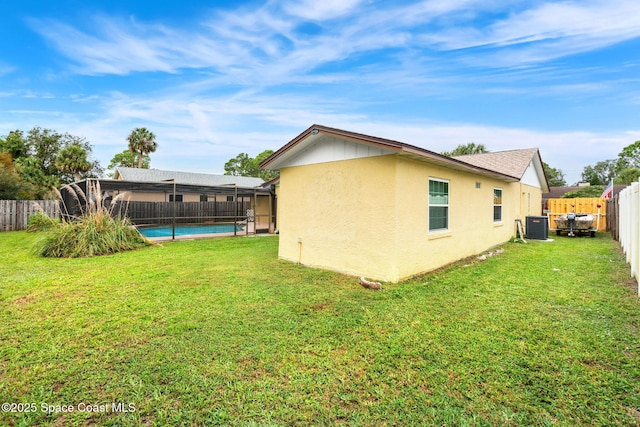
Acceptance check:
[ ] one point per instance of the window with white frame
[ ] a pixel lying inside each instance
(497, 205)
(438, 204)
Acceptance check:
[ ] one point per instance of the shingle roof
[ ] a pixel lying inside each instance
(512, 162)
(157, 175)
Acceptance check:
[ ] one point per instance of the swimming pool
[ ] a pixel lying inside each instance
(187, 230)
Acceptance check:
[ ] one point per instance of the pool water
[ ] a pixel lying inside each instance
(186, 230)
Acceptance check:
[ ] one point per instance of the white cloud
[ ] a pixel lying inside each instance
(547, 31)
(321, 10)
(267, 45)
(122, 47)
(600, 21)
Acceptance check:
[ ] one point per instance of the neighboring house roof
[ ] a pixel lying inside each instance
(510, 165)
(157, 175)
(286, 155)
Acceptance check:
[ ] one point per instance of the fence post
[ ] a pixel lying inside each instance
(633, 247)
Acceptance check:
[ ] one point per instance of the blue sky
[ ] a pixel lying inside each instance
(213, 79)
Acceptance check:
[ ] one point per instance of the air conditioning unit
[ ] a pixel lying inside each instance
(537, 227)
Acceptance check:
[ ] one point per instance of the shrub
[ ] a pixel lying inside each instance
(589, 191)
(95, 232)
(40, 221)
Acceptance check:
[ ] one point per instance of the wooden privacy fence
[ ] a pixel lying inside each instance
(594, 206)
(629, 227)
(186, 212)
(14, 214)
(613, 217)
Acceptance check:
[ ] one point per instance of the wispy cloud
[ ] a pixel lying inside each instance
(122, 46)
(547, 31)
(280, 40)
(248, 79)
(321, 10)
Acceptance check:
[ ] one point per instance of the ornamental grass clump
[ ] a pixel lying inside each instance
(95, 232)
(40, 221)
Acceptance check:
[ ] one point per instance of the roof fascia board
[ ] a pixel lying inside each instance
(266, 162)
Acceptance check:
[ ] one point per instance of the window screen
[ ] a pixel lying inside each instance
(438, 204)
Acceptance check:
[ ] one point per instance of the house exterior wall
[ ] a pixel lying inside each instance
(342, 213)
(370, 216)
(471, 226)
(531, 200)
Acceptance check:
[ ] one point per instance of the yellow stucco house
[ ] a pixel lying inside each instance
(387, 210)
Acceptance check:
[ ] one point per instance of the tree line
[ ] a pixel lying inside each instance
(622, 171)
(33, 163)
(243, 165)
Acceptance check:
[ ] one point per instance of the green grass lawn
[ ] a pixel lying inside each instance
(220, 332)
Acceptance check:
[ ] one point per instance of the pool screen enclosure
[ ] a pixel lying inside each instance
(229, 204)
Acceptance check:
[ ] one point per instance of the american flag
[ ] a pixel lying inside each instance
(607, 193)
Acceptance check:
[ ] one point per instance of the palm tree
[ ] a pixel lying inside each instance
(142, 141)
(73, 160)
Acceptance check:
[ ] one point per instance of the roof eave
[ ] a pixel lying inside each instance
(545, 184)
(401, 148)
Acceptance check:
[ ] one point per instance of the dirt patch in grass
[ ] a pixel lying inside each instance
(24, 300)
(635, 414)
(321, 306)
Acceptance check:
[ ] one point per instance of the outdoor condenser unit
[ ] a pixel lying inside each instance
(537, 227)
